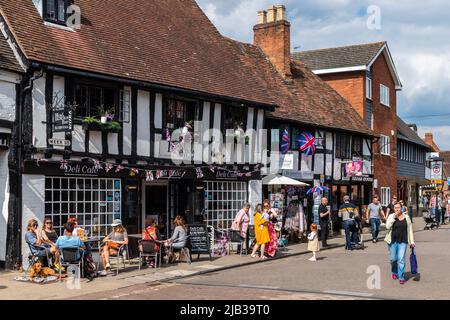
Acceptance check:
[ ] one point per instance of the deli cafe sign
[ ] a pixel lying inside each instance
(83, 169)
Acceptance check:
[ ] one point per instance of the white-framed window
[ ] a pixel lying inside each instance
(369, 88)
(385, 145)
(95, 202)
(385, 196)
(125, 106)
(223, 200)
(384, 95)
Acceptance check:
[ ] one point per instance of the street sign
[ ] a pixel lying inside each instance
(436, 170)
(59, 142)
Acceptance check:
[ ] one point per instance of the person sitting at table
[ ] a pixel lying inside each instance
(77, 231)
(34, 238)
(179, 236)
(68, 240)
(151, 232)
(113, 242)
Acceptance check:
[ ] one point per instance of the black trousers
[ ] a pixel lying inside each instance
(324, 232)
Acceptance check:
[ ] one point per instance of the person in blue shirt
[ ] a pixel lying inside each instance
(70, 241)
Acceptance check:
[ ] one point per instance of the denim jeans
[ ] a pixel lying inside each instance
(398, 261)
(375, 226)
(350, 234)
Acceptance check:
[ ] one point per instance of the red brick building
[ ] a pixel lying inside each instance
(366, 76)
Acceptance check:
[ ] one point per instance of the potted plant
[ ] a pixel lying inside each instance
(104, 121)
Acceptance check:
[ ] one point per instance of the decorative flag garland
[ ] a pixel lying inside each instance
(150, 175)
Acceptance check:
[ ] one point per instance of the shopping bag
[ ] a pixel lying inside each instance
(413, 262)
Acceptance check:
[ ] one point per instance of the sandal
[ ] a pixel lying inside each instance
(263, 258)
(254, 256)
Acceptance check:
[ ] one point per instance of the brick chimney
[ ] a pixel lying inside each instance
(273, 35)
(429, 138)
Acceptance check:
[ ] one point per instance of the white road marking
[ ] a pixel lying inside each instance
(349, 293)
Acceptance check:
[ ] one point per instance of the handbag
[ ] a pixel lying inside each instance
(413, 262)
(114, 246)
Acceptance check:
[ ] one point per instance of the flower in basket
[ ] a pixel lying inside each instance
(110, 116)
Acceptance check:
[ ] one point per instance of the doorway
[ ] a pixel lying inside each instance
(155, 205)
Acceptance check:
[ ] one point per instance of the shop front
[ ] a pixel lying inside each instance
(96, 193)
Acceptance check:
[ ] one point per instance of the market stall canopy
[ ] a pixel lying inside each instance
(281, 180)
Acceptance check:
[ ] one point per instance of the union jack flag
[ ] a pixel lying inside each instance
(285, 142)
(119, 168)
(108, 167)
(307, 143)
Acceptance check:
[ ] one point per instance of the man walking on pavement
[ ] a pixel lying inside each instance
(375, 213)
(324, 214)
(347, 212)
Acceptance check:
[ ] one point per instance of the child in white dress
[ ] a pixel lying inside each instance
(313, 243)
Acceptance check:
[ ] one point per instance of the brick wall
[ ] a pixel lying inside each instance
(385, 123)
(351, 86)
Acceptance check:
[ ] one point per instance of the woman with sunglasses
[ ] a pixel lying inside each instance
(34, 239)
(49, 234)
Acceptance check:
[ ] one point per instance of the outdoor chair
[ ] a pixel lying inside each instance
(122, 254)
(251, 236)
(71, 256)
(148, 250)
(235, 238)
(33, 258)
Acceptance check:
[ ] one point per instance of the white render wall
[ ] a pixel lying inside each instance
(39, 114)
(33, 206)
(4, 199)
(7, 97)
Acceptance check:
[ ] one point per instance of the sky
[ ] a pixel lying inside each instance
(417, 32)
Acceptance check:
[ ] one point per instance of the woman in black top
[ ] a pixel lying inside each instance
(399, 236)
(49, 235)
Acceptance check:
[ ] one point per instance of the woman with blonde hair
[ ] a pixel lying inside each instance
(261, 232)
(113, 242)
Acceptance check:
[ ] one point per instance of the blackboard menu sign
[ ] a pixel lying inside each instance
(199, 238)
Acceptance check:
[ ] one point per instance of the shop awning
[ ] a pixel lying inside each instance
(276, 179)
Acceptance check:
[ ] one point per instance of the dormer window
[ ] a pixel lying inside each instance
(56, 11)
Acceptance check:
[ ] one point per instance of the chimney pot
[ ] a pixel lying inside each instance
(272, 14)
(262, 17)
(281, 13)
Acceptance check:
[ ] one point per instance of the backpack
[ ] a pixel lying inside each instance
(89, 267)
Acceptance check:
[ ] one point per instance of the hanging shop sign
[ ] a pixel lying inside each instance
(62, 118)
(4, 141)
(436, 170)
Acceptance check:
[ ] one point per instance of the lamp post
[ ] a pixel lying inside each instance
(437, 174)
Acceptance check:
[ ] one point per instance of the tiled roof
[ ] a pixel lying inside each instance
(340, 57)
(7, 59)
(307, 99)
(404, 132)
(169, 42)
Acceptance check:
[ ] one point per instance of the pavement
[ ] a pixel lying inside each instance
(131, 278)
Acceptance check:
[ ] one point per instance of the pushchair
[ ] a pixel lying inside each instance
(430, 221)
(358, 238)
